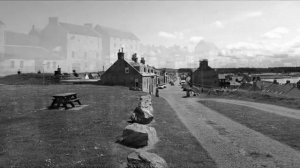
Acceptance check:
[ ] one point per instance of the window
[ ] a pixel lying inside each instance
(12, 64)
(126, 69)
(73, 54)
(136, 82)
(21, 64)
(54, 65)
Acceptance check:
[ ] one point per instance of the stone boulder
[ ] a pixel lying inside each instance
(145, 102)
(138, 135)
(145, 98)
(145, 160)
(141, 116)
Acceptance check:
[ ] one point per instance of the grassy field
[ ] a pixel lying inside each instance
(29, 79)
(280, 128)
(32, 136)
(261, 98)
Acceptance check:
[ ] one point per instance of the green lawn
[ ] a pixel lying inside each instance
(32, 136)
(280, 128)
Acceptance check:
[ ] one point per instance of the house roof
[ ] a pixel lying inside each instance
(132, 64)
(79, 29)
(136, 64)
(13, 38)
(115, 32)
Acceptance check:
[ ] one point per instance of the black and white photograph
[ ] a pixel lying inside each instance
(149, 84)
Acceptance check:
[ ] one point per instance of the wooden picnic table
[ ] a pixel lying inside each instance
(64, 99)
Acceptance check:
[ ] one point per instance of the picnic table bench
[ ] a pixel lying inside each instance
(64, 99)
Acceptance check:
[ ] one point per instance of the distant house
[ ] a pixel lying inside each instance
(130, 74)
(79, 45)
(205, 76)
(113, 40)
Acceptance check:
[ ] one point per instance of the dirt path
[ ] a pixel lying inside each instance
(293, 113)
(229, 143)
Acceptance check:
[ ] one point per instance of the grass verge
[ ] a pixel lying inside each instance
(261, 98)
(280, 128)
(32, 136)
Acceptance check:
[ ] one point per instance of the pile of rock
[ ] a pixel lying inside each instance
(139, 134)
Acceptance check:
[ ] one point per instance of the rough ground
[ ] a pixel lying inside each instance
(229, 143)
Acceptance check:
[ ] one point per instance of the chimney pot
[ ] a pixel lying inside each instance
(121, 54)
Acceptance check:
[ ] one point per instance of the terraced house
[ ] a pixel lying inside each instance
(131, 74)
(83, 48)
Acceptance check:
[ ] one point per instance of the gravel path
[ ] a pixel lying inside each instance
(229, 143)
(293, 113)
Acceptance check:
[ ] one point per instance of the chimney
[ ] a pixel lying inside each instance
(53, 20)
(203, 64)
(134, 58)
(143, 60)
(89, 25)
(121, 54)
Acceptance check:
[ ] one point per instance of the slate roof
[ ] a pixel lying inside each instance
(79, 29)
(116, 33)
(136, 64)
(13, 38)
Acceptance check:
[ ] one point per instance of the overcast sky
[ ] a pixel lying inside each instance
(268, 26)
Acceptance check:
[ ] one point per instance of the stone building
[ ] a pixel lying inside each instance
(205, 76)
(130, 74)
(113, 40)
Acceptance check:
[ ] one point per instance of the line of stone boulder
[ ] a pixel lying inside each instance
(139, 134)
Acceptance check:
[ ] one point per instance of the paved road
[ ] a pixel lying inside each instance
(229, 143)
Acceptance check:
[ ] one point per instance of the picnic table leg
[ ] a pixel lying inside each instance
(53, 103)
(78, 102)
(72, 104)
(65, 105)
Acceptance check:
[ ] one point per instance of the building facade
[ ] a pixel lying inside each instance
(83, 48)
(113, 40)
(79, 45)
